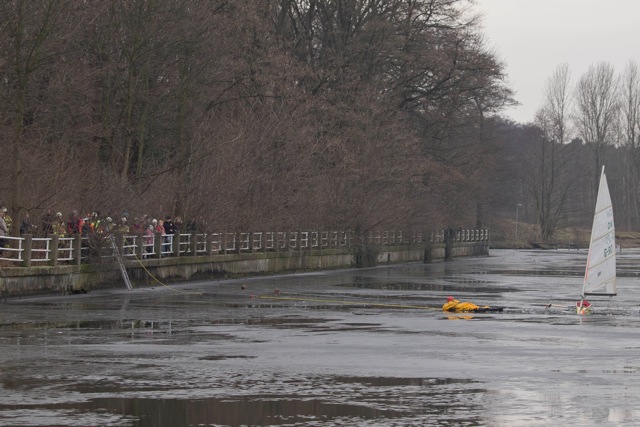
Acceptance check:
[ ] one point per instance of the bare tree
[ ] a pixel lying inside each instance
(630, 104)
(557, 103)
(255, 113)
(596, 111)
(550, 175)
(36, 91)
(630, 111)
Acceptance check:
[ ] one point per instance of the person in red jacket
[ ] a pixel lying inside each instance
(583, 307)
(74, 224)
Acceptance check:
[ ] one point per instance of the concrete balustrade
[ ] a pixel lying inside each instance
(37, 265)
(27, 250)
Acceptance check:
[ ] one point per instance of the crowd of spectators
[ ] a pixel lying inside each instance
(51, 224)
(93, 226)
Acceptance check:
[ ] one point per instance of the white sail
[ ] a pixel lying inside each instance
(600, 274)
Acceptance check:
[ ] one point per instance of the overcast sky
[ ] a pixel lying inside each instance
(533, 37)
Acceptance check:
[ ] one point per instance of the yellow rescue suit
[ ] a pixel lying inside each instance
(460, 307)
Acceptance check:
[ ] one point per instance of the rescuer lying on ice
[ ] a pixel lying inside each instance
(453, 304)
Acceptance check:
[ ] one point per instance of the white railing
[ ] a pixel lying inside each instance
(12, 250)
(129, 245)
(40, 251)
(166, 246)
(54, 250)
(201, 244)
(184, 243)
(65, 249)
(148, 246)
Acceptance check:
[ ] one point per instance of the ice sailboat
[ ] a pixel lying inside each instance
(600, 272)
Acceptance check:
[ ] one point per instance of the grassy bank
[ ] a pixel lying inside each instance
(503, 236)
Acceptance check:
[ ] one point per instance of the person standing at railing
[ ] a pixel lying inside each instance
(106, 226)
(59, 227)
(47, 223)
(169, 230)
(26, 227)
(74, 225)
(169, 226)
(87, 228)
(192, 226)
(87, 235)
(136, 227)
(145, 221)
(95, 222)
(4, 230)
(8, 221)
(148, 240)
(123, 230)
(158, 226)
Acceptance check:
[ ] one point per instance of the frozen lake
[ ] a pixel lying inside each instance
(366, 347)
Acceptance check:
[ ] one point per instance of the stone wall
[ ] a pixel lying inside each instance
(23, 281)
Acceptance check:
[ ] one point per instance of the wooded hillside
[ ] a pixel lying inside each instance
(248, 114)
(258, 114)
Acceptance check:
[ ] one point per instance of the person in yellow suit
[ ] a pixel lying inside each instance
(453, 304)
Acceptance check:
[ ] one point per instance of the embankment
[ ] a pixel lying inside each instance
(60, 279)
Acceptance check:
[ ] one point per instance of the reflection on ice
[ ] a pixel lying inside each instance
(342, 400)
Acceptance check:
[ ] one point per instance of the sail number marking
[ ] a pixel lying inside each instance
(608, 251)
(609, 238)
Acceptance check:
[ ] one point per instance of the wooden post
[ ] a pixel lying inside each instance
(176, 243)
(157, 244)
(54, 249)
(194, 244)
(119, 242)
(140, 246)
(77, 249)
(28, 245)
(209, 239)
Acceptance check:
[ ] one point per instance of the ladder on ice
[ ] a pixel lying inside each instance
(118, 256)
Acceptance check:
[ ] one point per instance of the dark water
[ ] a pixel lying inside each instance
(366, 347)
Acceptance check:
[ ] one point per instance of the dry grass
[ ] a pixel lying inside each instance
(628, 239)
(503, 236)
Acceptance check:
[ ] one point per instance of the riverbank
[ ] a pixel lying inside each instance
(82, 278)
(504, 237)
